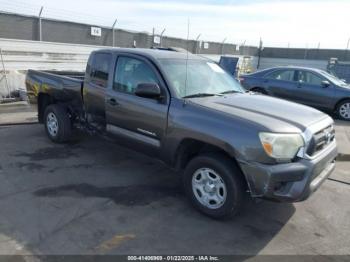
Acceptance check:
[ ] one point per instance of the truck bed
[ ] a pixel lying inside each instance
(61, 86)
(71, 74)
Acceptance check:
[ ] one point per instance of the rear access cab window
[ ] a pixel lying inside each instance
(98, 69)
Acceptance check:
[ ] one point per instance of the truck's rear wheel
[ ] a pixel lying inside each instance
(214, 185)
(57, 123)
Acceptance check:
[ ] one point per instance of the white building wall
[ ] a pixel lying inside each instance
(21, 55)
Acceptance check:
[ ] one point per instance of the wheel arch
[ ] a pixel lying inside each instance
(189, 148)
(340, 101)
(44, 100)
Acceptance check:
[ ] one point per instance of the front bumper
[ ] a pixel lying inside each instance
(290, 182)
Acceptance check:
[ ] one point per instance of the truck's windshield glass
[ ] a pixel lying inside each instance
(203, 77)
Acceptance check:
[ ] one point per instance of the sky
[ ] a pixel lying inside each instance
(298, 23)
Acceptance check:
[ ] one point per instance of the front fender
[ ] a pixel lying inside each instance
(237, 137)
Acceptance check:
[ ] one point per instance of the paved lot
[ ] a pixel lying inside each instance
(94, 197)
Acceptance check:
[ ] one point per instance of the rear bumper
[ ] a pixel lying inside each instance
(290, 182)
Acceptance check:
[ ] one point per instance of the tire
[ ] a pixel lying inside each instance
(259, 90)
(343, 110)
(57, 123)
(225, 172)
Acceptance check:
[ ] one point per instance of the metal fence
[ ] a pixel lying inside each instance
(23, 27)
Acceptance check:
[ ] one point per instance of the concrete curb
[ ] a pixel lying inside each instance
(343, 157)
(19, 124)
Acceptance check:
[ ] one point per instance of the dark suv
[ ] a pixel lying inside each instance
(309, 86)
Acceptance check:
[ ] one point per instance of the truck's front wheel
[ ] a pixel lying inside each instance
(57, 123)
(214, 185)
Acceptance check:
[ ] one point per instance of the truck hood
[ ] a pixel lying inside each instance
(274, 114)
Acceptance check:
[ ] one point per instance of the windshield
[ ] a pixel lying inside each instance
(203, 78)
(332, 78)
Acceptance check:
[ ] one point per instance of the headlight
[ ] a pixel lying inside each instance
(281, 146)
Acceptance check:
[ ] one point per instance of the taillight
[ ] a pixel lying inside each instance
(240, 79)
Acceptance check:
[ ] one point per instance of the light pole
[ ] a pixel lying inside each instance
(40, 29)
(259, 53)
(222, 45)
(305, 54)
(197, 43)
(243, 46)
(113, 33)
(161, 37)
(347, 49)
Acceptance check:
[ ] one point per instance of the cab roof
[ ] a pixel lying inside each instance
(153, 53)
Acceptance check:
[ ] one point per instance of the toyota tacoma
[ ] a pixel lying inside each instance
(195, 117)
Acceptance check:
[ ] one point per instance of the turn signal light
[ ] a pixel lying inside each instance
(268, 148)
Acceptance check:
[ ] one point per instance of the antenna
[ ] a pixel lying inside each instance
(188, 35)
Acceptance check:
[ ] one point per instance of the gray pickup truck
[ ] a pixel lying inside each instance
(196, 118)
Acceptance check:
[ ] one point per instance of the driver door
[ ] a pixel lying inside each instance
(141, 121)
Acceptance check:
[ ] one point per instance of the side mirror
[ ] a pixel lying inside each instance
(325, 83)
(148, 90)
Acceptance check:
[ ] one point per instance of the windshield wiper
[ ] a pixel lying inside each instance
(201, 95)
(229, 92)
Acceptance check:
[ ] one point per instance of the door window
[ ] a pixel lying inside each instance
(130, 72)
(285, 75)
(309, 78)
(99, 69)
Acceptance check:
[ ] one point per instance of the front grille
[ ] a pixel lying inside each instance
(320, 140)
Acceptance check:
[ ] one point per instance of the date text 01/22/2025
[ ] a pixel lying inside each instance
(173, 258)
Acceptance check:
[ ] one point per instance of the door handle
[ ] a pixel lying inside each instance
(113, 102)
